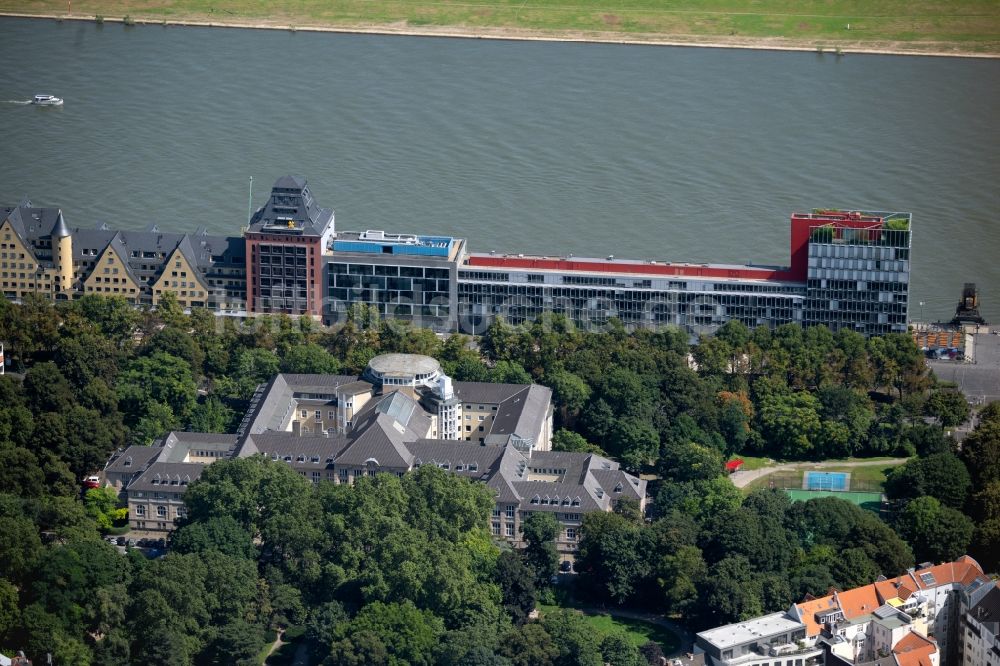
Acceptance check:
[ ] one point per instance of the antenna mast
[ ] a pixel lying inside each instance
(250, 202)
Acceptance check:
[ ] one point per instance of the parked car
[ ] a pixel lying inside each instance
(122, 541)
(92, 481)
(566, 566)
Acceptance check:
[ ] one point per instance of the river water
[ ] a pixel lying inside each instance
(682, 154)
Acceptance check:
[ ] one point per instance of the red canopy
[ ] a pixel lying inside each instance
(734, 465)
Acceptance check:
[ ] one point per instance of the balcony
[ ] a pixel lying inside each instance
(811, 655)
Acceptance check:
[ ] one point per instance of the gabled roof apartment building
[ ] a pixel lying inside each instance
(917, 619)
(40, 254)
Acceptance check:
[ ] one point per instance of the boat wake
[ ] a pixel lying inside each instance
(16, 101)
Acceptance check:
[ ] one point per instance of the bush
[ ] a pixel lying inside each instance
(294, 632)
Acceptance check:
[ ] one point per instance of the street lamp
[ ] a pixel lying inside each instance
(921, 312)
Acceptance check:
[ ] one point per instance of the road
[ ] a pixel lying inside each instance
(743, 479)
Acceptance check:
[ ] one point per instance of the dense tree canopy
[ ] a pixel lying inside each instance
(404, 570)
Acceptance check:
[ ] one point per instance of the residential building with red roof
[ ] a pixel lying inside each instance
(916, 619)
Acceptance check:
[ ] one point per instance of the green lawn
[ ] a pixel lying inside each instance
(869, 474)
(937, 25)
(863, 478)
(638, 631)
(754, 462)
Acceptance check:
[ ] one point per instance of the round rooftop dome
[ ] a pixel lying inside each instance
(403, 370)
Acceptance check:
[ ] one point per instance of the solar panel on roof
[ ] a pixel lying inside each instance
(928, 578)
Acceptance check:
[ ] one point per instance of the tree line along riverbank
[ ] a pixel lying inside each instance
(963, 27)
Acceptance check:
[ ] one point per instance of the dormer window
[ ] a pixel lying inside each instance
(128, 461)
(619, 487)
(565, 501)
(576, 501)
(473, 467)
(536, 499)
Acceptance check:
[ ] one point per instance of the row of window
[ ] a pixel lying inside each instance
(111, 290)
(483, 276)
(570, 534)
(459, 467)
(210, 454)
(161, 511)
(281, 249)
(837, 250)
(555, 501)
(508, 529)
(388, 271)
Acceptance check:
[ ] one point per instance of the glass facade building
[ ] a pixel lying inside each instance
(698, 306)
(847, 270)
(402, 277)
(858, 276)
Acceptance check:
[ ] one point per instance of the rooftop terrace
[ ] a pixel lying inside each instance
(750, 630)
(375, 241)
(632, 267)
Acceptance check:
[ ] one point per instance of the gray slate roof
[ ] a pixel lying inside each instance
(32, 223)
(301, 383)
(290, 199)
(485, 392)
(522, 413)
(160, 476)
(455, 452)
(381, 439)
(300, 452)
(133, 459)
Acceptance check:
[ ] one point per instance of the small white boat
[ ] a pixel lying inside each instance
(46, 100)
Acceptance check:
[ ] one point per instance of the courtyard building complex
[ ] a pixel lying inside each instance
(402, 413)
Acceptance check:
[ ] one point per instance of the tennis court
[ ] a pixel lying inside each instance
(870, 501)
(839, 481)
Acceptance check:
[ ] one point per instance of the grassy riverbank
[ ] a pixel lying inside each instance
(910, 26)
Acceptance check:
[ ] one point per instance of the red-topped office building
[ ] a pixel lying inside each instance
(847, 270)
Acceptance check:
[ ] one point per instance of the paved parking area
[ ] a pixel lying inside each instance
(979, 381)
